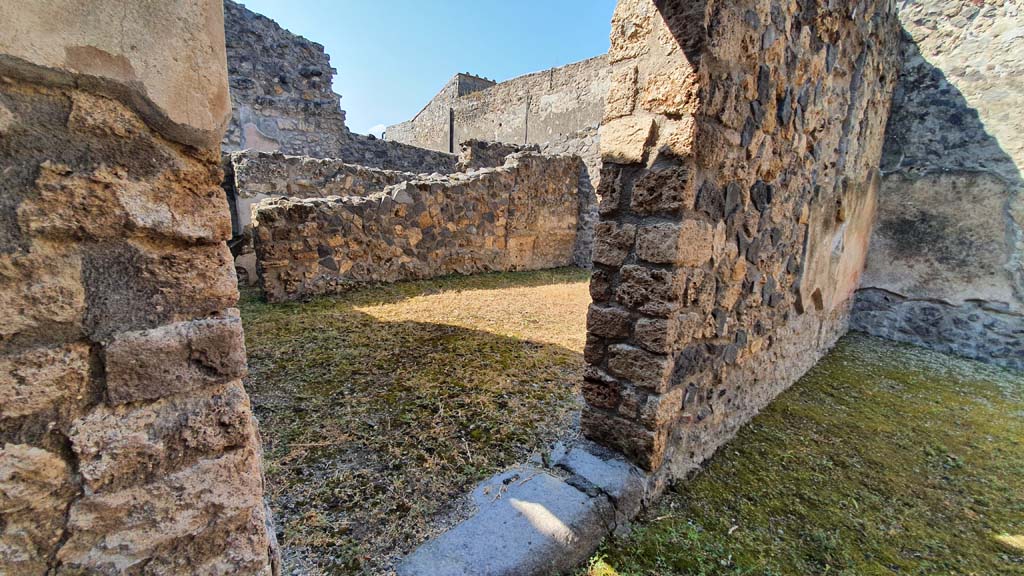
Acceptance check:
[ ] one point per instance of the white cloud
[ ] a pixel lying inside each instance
(377, 129)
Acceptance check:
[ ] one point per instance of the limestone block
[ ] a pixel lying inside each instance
(42, 379)
(648, 290)
(632, 24)
(660, 409)
(638, 366)
(608, 321)
(600, 389)
(123, 446)
(664, 190)
(612, 242)
(624, 140)
(696, 242)
(672, 89)
(40, 290)
(35, 488)
(621, 97)
(644, 447)
(138, 285)
(653, 334)
(658, 243)
(174, 358)
(104, 202)
(208, 518)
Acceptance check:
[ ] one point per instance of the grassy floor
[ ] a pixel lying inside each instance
(379, 408)
(884, 459)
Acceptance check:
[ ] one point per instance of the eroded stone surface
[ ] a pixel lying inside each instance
(116, 286)
(35, 488)
(521, 216)
(739, 187)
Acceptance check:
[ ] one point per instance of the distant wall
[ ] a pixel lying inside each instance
(740, 144)
(282, 101)
(945, 266)
(281, 95)
(558, 109)
(251, 177)
(521, 216)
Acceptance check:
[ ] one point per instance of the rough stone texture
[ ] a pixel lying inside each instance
(532, 109)
(251, 177)
(476, 154)
(971, 329)
(116, 287)
(558, 109)
(282, 101)
(947, 249)
(584, 144)
(740, 145)
(521, 216)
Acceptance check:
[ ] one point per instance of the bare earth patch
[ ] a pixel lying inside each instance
(380, 408)
(884, 459)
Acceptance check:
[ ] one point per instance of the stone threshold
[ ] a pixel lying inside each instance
(544, 517)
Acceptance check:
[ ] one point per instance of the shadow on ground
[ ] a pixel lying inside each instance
(375, 423)
(883, 459)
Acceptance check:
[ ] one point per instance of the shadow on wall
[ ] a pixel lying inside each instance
(944, 267)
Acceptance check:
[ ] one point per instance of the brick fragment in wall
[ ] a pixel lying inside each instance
(207, 518)
(174, 358)
(126, 446)
(35, 489)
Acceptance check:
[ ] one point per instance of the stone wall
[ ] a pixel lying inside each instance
(558, 109)
(251, 177)
(282, 100)
(945, 267)
(740, 144)
(127, 444)
(521, 216)
(476, 154)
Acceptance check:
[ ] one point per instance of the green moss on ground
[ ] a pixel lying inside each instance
(884, 459)
(380, 407)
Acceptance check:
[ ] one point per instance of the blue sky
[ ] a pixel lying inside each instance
(392, 56)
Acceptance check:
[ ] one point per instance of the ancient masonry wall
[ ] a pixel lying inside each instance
(521, 216)
(945, 266)
(251, 177)
(127, 444)
(740, 146)
(282, 101)
(558, 109)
